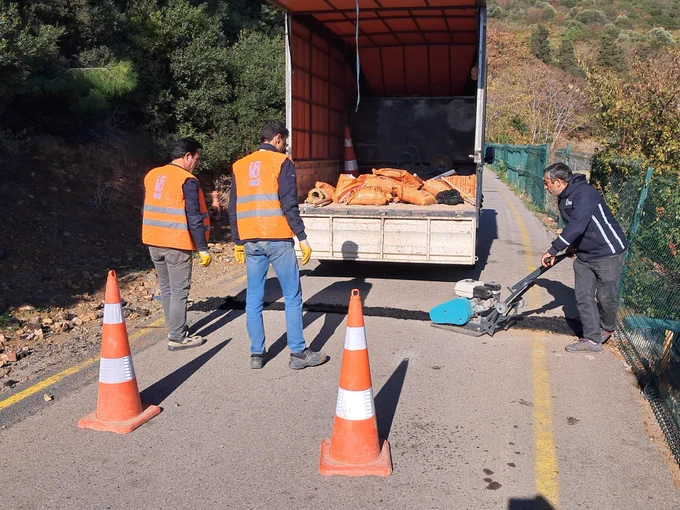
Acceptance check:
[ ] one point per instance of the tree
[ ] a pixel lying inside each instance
(25, 50)
(610, 55)
(540, 45)
(566, 58)
(529, 101)
(258, 68)
(640, 114)
(210, 69)
(640, 118)
(592, 17)
(556, 105)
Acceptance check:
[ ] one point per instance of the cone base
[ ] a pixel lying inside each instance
(119, 427)
(328, 466)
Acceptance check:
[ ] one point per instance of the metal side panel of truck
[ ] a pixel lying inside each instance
(437, 234)
(414, 98)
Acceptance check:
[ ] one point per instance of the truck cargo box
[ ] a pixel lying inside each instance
(403, 81)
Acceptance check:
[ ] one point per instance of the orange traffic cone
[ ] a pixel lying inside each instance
(119, 406)
(351, 165)
(354, 448)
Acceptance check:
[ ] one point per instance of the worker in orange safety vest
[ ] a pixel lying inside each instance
(264, 217)
(176, 223)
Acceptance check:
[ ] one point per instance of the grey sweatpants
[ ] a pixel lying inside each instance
(597, 279)
(174, 275)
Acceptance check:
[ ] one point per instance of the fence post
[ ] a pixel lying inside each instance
(635, 225)
(567, 153)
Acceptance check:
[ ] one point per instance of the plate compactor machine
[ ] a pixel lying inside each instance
(478, 310)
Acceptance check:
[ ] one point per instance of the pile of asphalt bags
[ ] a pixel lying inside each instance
(392, 185)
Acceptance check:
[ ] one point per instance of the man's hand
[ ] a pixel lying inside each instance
(206, 259)
(240, 254)
(547, 260)
(306, 251)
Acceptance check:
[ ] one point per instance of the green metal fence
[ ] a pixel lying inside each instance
(577, 161)
(523, 166)
(648, 328)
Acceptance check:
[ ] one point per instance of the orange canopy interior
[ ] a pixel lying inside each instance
(407, 48)
(394, 22)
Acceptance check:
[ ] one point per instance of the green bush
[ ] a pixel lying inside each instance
(592, 17)
(623, 21)
(659, 36)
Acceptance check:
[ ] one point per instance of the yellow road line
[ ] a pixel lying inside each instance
(545, 463)
(31, 390)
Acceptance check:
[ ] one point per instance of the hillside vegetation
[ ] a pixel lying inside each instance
(625, 14)
(598, 73)
(74, 68)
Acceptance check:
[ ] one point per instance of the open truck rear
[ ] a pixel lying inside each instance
(401, 79)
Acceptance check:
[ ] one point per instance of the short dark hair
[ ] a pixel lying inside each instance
(183, 145)
(272, 128)
(558, 171)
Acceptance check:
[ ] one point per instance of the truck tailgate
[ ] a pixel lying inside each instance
(439, 234)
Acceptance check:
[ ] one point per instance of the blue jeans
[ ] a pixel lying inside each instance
(281, 255)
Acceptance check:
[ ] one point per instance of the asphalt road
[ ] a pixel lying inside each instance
(511, 421)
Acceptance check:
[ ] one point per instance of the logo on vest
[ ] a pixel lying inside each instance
(158, 189)
(254, 173)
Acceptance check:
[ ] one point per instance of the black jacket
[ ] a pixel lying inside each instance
(194, 215)
(287, 197)
(591, 228)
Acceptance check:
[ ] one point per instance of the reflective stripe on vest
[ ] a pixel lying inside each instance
(258, 213)
(164, 222)
(258, 208)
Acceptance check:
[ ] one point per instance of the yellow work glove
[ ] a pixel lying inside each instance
(205, 257)
(306, 251)
(239, 254)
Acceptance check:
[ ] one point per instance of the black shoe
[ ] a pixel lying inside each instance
(306, 358)
(258, 361)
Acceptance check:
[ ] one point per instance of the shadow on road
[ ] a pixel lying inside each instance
(222, 312)
(160, 390)
(564, 297)
(331, 320)
(387, 399)
(218, 318)
(537, 503)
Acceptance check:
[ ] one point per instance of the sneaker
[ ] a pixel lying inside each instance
(187, 342)
(606, 335)
(306, 358)
(584, 345)
(257, 361)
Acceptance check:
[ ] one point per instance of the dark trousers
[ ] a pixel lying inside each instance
(174, 276)
(596, 285)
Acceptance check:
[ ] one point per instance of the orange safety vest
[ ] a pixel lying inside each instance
(165, 221)
(258, 208)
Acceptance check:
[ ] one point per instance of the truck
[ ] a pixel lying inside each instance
(407, 79)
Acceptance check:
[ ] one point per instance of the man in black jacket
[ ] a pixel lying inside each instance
(594, 236)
